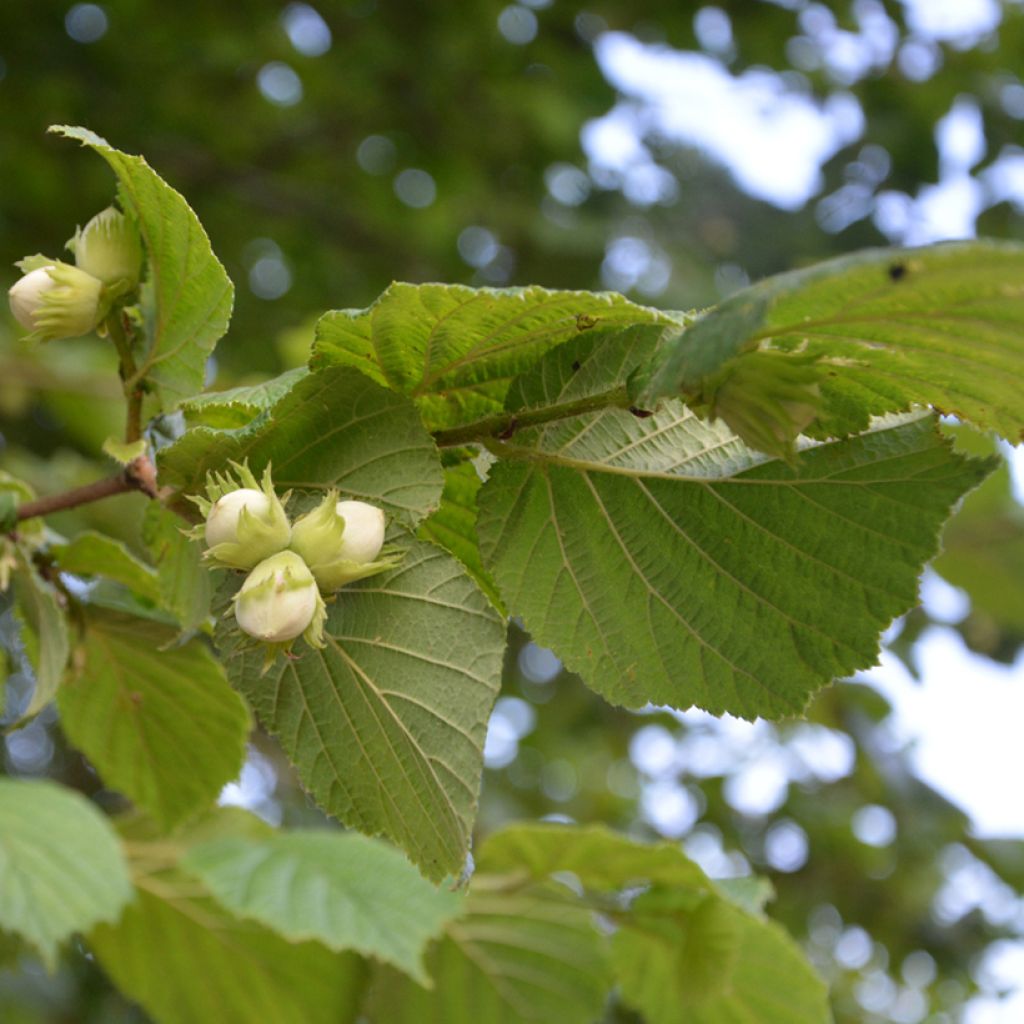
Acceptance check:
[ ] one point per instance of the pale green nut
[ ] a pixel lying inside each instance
(244, 524)
(109, 248)
(341, 541)
(280, 601)
(56, 300)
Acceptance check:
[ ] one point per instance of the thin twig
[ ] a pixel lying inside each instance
(139, 475)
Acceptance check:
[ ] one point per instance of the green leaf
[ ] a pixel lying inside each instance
(45, 634)
(529, 955)
(332, 429)
(124, 452)
(236, 407)
(95, 554)
(665, 562)
(185, 959)
(748, 892)
(674, 952)
(61, 867)
(684, 948)
(940, 326)
(453, 526)
(342, 889)
(455, 349)
(185, 583)
(186, 297)
(8, 511)
(710, 963)
(149, 843)
(598, 857)
(983, 546)
(15, 492)
(160, 725)
(12, 949)
(386, 724)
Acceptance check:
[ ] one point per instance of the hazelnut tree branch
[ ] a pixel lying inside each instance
(139, 475)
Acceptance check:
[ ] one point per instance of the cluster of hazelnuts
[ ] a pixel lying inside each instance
(56, 300)
(291, 566)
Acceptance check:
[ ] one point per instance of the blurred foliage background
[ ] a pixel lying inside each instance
(673, 151)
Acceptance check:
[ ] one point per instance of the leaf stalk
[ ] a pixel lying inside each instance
(502, 426)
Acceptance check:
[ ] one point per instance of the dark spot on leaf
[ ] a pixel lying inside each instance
(897, 271)
(584, 321)
(575, 365)
(640, 414)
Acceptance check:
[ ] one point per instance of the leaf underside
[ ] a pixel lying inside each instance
(680, 950)
(60, 863)
(342, 889)
(386, 724)
(211, 966)
(666, 562)
(161, 725)
(529, 956)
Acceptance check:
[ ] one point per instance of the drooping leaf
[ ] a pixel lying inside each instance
(983, 546)
(160, 725)
(185, 583)
(600, 858)
(115, 597)
(342, 889)
(712, 962)
(940, 326)
(235, 407)
(185, 959)
(453, 525)
(665, 562)
(455, 349)
(685, 954)
(331, 429)
(386, 724)
(45, 634)
(186, 296)
(61, 866)
(530, 955)
(95, 554)
(683, 948)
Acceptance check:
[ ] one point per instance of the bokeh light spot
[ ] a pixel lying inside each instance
(86, 23)
(376, 154)
(415, 187)
(279, 84)
(518, 24)
(477, 246)
(874, 825)
(308, 32)
(786, 846)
